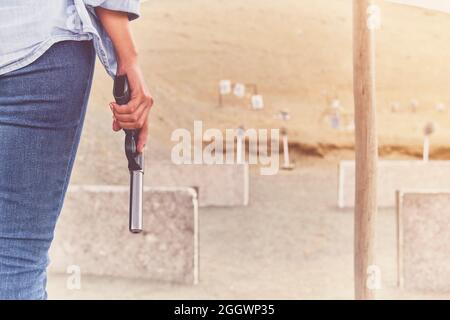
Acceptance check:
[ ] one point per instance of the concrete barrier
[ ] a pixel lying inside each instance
(423, 225)
(392, 176)
(217, 185)
(92, 234)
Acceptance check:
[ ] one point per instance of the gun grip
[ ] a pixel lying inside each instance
(121, 90)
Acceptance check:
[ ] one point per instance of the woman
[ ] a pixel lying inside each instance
(47, 55)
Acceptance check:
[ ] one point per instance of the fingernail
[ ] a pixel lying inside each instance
(111, 107)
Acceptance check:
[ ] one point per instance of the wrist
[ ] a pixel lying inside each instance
(126, 62)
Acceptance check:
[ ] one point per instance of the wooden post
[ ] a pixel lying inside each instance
(366, 148)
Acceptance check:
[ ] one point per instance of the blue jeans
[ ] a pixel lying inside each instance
(42, 109)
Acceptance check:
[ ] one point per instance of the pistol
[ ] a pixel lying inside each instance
(122, 95)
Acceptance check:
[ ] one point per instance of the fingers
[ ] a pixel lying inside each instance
(128, 108)
(133, 105)
(143, 133)
(132, 115)
(138, 120)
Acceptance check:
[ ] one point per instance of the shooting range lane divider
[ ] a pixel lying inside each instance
(92, 236)
(394, 175)
(423, 239)
(218, 185)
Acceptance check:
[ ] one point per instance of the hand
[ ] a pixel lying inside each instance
(134, 115)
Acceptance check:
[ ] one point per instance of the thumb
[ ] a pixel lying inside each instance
(142, 139)
(116, 126)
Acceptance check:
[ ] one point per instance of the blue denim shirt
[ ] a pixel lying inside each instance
(29, 27)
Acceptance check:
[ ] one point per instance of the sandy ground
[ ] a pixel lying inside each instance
(292, 241)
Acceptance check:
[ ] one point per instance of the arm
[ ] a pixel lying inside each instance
(134, 115)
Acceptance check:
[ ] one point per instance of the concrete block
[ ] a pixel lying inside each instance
(217, 185)
(392, 176)
(92, 233)
(423, 225)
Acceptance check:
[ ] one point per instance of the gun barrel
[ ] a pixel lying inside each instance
(136, 193)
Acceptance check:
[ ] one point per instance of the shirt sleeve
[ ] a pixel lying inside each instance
(131, 7)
